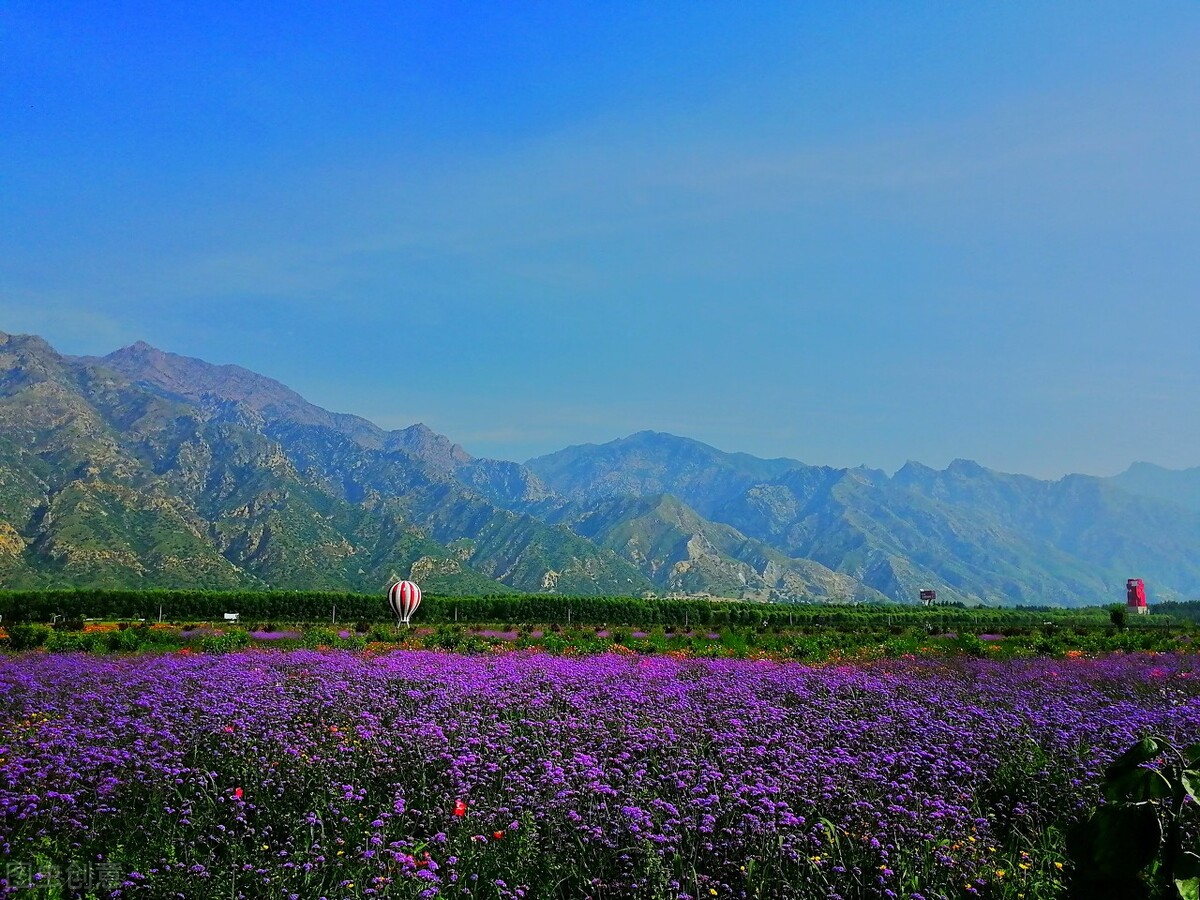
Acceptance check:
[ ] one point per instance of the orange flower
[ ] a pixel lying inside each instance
(497, 834)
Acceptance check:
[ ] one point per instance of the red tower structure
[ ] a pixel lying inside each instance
(1135, 596)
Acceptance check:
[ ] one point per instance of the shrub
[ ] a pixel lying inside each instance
(447, 637)
(384, 634)
(320, 637)
(353, 641)
(970, 645)
(27, 637)
(901, 646)
(74, 642)
(555, 644)
(159, 638)
(128, 640)
(235, 639)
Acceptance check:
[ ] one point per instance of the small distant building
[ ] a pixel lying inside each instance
(1135, 597)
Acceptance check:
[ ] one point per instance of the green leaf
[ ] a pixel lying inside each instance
(1108, 889)
(1138, 786)
(1188, 865)
(1191, 783)
(1188, 888)
(1117, 842)
(1192, 754)
(1143, 751)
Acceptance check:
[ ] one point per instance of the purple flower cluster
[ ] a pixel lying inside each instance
(419, 774)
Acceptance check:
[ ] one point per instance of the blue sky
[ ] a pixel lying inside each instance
(845, 233)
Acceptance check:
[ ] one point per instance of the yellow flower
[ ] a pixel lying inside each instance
(1058, 866)
(1022, 865)
(713, 891)
(266, 847)
(999, 873)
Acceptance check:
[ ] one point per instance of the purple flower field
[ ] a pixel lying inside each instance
(279, 635)
(304, 774)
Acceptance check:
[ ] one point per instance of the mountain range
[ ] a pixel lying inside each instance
(143, 468)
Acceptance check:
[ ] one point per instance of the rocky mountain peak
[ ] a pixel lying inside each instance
(914, 473)
(966, 467)
(26, 359)
(432, 448)
(26, 343)
(203, 382)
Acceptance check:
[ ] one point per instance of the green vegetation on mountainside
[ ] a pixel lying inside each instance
(147, 468)
(686, 553)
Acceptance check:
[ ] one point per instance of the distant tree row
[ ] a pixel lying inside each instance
(312, 606)
(1183, 611)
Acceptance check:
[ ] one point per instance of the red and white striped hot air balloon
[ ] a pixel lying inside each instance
(404, 597)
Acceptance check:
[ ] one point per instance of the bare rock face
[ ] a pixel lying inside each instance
(428, 446)
(427, 567)
(12, 545)
(211, 386)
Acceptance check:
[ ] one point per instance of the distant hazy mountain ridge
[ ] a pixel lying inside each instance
(1180, 487)
(973, 534)
(145, 468)
(652, 463)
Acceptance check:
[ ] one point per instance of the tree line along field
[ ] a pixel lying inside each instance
(704, 631)
(316, 606)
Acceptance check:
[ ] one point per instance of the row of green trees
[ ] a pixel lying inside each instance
(312, 606)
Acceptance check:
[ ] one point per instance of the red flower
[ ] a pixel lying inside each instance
(497, 834)
(460, 808)
(237, 792)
